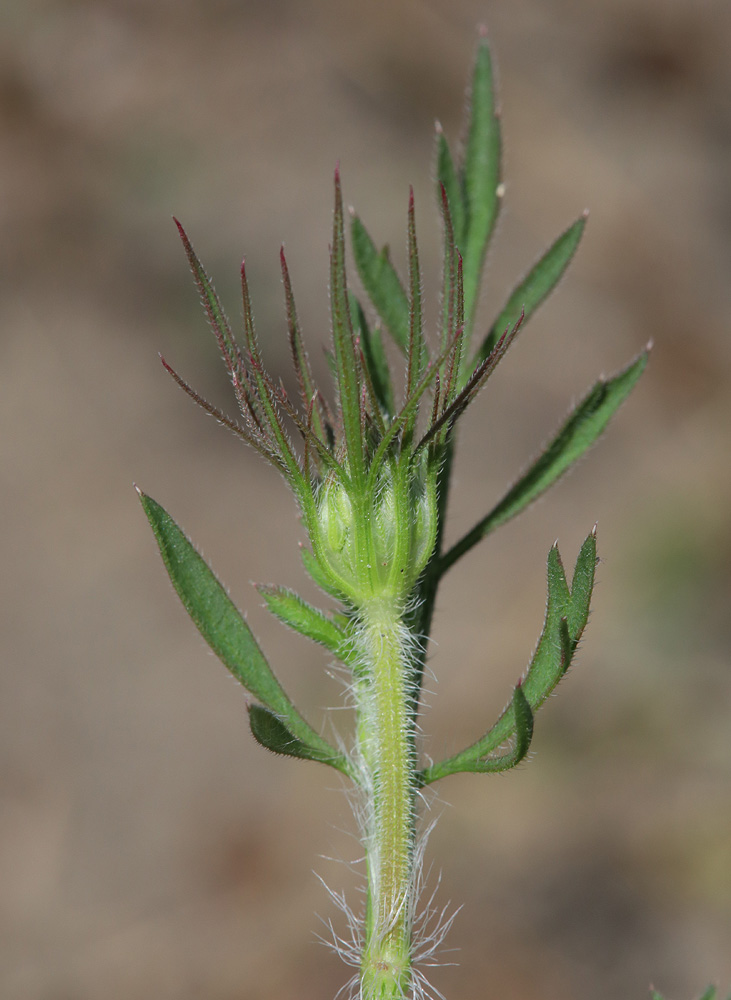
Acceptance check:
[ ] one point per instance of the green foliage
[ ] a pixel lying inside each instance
(371, 478)
(381, 283)
(224, 629)
(567, 612)
(537, 284)
(585, 424)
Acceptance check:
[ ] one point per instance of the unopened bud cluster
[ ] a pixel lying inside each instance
(380, 542)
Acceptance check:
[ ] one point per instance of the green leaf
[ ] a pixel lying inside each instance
(226, 632)
(452, 310)
(291, 609)
(523, 727)
(418, 355)
(447, 175)
(480, 177)
(582, 585)
(346, 359)
(308, 390)
(214, 310)
(536, 285)
(269, 730)
(567, 612)
(566, 617)
(375, 357)
(584, 425)
(315, 571)
(266, 396)
(381, 283)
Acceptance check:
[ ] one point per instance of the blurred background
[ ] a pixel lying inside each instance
(148, 848)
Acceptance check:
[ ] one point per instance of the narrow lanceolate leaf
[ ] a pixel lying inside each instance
(269, 730)
(308, 389)
(226, 632)
(480, 177)
(417, 355)
(230, 351)
(404, 416)
(308, 621)
(249, 433)
(346, 359)
(374, 412)
(376, 361)
(584, 425)
(267, 399)
(212, 305)
(447, 178)
(382, 284)
(474, 383)
(452, 309)
(537, 284)
(567, 612)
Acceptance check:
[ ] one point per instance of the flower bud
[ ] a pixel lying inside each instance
(383, 544)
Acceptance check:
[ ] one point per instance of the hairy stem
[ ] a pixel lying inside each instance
(388, 759)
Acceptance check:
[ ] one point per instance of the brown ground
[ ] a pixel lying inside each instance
(149, 850)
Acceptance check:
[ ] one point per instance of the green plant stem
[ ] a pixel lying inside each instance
(429, 584)
(387, 751)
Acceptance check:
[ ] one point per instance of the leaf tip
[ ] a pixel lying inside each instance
(438, 127)
(181, 231)
(482, 31)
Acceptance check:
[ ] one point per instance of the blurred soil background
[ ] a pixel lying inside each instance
(149, 850)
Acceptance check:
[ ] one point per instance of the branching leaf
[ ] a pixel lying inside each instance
(536, 285)
(523, 726)
(567, 612)
(584, 425)
(382, 284)
(226, 632)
